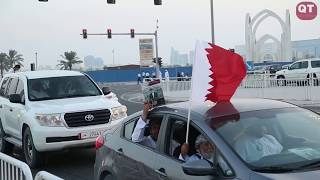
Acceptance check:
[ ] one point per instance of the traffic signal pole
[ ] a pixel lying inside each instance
(155, 34)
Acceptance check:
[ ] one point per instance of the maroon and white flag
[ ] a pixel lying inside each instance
(216, 73)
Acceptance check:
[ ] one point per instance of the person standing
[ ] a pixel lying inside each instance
(139, 79)
(166, 75)
(15, 69)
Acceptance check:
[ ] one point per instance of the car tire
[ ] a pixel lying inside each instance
(5, 146)
(32, 157)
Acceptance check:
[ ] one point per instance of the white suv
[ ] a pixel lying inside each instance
(52, 110)
(301, 70)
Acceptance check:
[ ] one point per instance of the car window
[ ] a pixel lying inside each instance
(12, 87)
(295, 66)
(304, 65)
(61, 87)
(4, 86)
(176, 138)
(144, 134)
(315, 64)
(20, 90)
(128, 128)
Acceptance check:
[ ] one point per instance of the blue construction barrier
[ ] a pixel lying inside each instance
(107, 76)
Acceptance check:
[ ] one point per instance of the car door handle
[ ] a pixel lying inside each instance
(162, 172)
(11, 110)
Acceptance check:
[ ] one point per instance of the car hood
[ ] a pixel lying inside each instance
(281, 71)
(310, 175)
(72, 105)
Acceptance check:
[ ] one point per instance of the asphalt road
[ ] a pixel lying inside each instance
(77, 164)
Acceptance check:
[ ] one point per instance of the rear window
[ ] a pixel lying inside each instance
(315, 64)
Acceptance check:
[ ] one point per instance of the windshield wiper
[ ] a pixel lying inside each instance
(273, 169)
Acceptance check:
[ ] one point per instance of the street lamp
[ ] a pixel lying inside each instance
(212, 21)
(36, 61)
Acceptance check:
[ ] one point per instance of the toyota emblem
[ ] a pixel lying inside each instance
(89, 117)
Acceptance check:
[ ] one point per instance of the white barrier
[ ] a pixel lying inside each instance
(43, 175)
(257, 86)
(13, 169)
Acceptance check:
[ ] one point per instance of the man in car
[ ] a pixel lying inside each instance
(256, 144)
(138, 134)
(204, 149)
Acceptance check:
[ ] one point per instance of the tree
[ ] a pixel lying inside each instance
(14, 58)
(4, 63)
(70, 58)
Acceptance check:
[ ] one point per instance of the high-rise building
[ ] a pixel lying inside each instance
(93, 63)
(177, 58)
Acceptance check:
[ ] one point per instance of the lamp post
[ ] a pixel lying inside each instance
(36, 60)
(212, 21)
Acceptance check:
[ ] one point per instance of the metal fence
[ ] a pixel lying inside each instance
(13, 169)
(258, 86)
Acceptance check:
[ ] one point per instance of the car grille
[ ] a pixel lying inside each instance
(78, 119)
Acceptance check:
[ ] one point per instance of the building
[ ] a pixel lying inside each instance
(93, 63)
(177, 58)
(300, 50)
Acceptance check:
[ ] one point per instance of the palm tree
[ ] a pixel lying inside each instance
(70, 58)
(4, 63)
(14, 58)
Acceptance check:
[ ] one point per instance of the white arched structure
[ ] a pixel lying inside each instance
(253, 46)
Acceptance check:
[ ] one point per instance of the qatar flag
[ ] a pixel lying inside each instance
(216, 73)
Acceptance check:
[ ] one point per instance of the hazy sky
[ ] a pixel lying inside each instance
(52, 28)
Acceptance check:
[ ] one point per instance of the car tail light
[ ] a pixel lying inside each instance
(99, 142)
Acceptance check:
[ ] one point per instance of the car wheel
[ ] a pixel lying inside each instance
(109, 177)
(32, 156)
(281, 81)
(5, 146)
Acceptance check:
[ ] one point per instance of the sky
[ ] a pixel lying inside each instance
(51, 28)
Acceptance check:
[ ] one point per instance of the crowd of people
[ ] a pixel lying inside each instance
(146, 76)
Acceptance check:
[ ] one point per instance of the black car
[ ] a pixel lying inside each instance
(296, 131)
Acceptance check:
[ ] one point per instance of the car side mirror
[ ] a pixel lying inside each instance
(199, 168)
(106, 90)
(15, 98)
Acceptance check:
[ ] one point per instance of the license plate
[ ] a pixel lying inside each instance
(91, 134)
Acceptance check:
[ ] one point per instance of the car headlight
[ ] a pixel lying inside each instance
(51, 120)
(118, 112)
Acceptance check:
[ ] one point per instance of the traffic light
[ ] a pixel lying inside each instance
(109, 33)
(157, 2)
(154, 60)
(160, 61)
(132, 33)
(111, 1)
(84, 33)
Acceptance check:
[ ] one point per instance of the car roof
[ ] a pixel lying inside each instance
(237, 105)
(312, 59)
(46, 74)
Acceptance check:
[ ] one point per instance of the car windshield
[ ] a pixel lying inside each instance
(61, 87)
(275, 138)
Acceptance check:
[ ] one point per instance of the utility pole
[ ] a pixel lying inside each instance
(212, 22)
(157, 55)
(36, 61)
(113, 57)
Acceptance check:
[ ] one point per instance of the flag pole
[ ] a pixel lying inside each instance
(190, 100)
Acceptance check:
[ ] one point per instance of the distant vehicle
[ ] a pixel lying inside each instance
(302, 70)
(265, 69)
(225, 126)
(43, 111)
